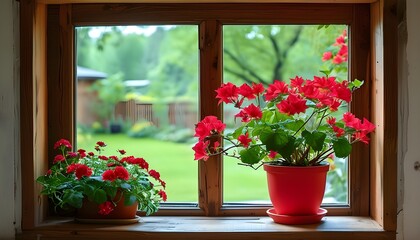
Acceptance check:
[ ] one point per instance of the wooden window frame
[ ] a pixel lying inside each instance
(44, 118)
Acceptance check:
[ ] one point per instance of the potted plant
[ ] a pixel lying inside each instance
(293, 130)
(100, 186)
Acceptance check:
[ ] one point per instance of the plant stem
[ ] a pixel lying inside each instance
(307, 120)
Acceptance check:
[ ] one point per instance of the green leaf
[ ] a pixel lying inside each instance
(89, 191)
(129, 199)
(73, 198)
(342, 147)
(237, 132)
(315, 139)
(111, 191)
(99, 196)
(274, 140)
(287, 149)
(251, 155)
(125, 186)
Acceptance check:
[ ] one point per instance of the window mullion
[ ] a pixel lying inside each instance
(210, 172)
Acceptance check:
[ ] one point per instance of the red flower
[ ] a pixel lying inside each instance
(154, 174)
(59, 158)
(272, 154)
(361, 136)
(142, 163)
(292, 104)
(200, 150)
(105, 158)
(105, 208)
(72, 155)
(342, 91)
(257, 89)
(296, 82)
(250, 112)
(209, 125)
(338, 131)
(83, 171)
(326, 56)
(100, 144)
(351, 121)
(62, 143)
(340, 40)
(367, 126)
(128, 159)
(91, 154)
(82, 153)
(71, 168)
(121, 173)
(331, 121)
(163, 195)
(115, 158)
(338, 59)
(122, 152)
(49, 172)
(109, 175)
(227, 93)
(275, 89)
(163, 183)
(244, 139)
(343, 52)
(246, 91)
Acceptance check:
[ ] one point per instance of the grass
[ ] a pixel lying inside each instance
(175, 163)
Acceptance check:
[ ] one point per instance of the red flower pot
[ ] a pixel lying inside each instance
(89, 210)
(296, 190)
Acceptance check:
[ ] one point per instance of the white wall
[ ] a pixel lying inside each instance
(411, 203)
(8, 117)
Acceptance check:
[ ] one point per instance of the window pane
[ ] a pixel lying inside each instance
(262, 54)
(137, 90)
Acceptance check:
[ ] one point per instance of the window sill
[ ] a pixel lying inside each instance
(159, 227)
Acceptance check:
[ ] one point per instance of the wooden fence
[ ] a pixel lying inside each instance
(182, 114)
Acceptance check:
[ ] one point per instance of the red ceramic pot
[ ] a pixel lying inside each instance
(89, 210)
(296, 190)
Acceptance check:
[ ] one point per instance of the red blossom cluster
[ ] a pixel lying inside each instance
(114, 171)
(341, 55)
(106, 208)
(79, 170)
(295, 115)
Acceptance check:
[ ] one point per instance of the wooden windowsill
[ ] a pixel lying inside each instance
(157, 227)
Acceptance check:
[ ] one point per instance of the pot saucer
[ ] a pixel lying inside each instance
(297, 219)
(109, 221)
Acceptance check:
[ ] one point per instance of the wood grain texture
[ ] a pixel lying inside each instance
(360, 57)
(60, 75)
(27, 98)
(390, 95)
(215, 228)
(117, 14)
(385, 113)
(33, 115)
(210, 171)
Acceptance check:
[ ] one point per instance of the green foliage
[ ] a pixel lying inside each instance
(76, 176)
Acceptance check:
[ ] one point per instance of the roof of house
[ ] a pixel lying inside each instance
(89, 74)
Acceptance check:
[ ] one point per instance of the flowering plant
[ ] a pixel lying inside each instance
(75, 176)
(292, 124)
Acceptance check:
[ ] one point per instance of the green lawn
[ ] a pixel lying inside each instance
(175, 163)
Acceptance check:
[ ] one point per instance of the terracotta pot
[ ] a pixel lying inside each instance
(89, 210)
(296, 190)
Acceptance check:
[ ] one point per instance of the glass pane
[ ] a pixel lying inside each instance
(262, 54)
(137, 90)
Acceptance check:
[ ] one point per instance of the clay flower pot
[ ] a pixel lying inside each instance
(296, 191)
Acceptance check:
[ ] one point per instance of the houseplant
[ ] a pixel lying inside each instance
(87, 180)
(293, 129)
